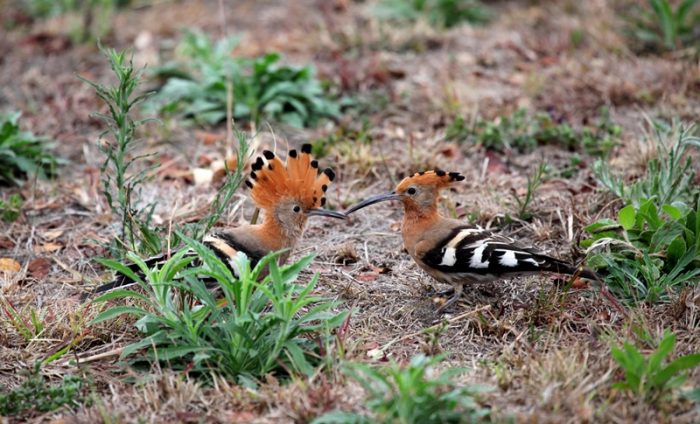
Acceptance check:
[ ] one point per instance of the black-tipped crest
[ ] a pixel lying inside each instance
(306, 148)
(329, 173)
(268, 154)
(455, 176)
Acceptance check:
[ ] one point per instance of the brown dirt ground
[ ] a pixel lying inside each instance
(545, 351)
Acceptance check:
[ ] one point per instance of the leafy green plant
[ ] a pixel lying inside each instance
(669, 176)
(660, 27)
(119, 184)
(439, 13)
(92, 19)
(22, 153)
(11, 208)
(266, 325)
(36, 395)
(262, 88)
(648, 252)
(653, 378)
(522, 131)
(533, 182)
(412, 394)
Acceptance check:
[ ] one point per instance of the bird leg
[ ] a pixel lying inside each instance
(459, 288)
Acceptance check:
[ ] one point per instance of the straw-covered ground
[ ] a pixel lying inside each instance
(545, 350)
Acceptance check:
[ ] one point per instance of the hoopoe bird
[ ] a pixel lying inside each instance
(458, 254)
(288, 194)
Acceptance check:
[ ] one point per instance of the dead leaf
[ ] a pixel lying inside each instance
(367, 277)
(6, 243)
(39, 268)
(47, 247)
(370, 345)
(496, 164)
(215, 173)
(450, 150)
(209, 138)
(52, 234)
(220, 169)
(9, 265)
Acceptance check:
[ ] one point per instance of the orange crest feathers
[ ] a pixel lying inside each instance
(300, 179)
(437, 178)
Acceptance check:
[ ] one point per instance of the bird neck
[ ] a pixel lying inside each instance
(416, 221)
(275, 235)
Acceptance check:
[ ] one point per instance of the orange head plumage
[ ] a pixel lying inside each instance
(271, 181)
(418, 193)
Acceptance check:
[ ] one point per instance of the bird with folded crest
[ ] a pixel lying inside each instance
(459, 254)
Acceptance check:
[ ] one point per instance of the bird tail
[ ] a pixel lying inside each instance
(560, 267)
(547, 263)
(121, 280)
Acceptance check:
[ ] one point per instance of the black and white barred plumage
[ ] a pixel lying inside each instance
(485, 256)
(225, 245)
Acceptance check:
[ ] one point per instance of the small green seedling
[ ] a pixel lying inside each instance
(415, 393)
(653, 378)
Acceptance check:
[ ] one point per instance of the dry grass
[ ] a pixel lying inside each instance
(544, 349)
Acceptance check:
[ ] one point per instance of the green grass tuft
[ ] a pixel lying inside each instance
(414, 393)
(523, 132)
(660, 27)
(438, 13)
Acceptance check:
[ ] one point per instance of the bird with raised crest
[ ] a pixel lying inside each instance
(458, 254)
(288, 194)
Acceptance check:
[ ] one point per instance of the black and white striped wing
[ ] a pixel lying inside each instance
(485, 256)
(224, 246)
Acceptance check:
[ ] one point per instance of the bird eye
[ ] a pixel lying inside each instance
(296, 208)
(411, 191)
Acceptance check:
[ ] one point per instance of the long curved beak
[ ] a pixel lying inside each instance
(326, 212)
(392, 195)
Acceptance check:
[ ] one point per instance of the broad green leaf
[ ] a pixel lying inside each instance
(673, 212)
(675, 251)
(664, 349)
(679, 365)
(627, 216)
